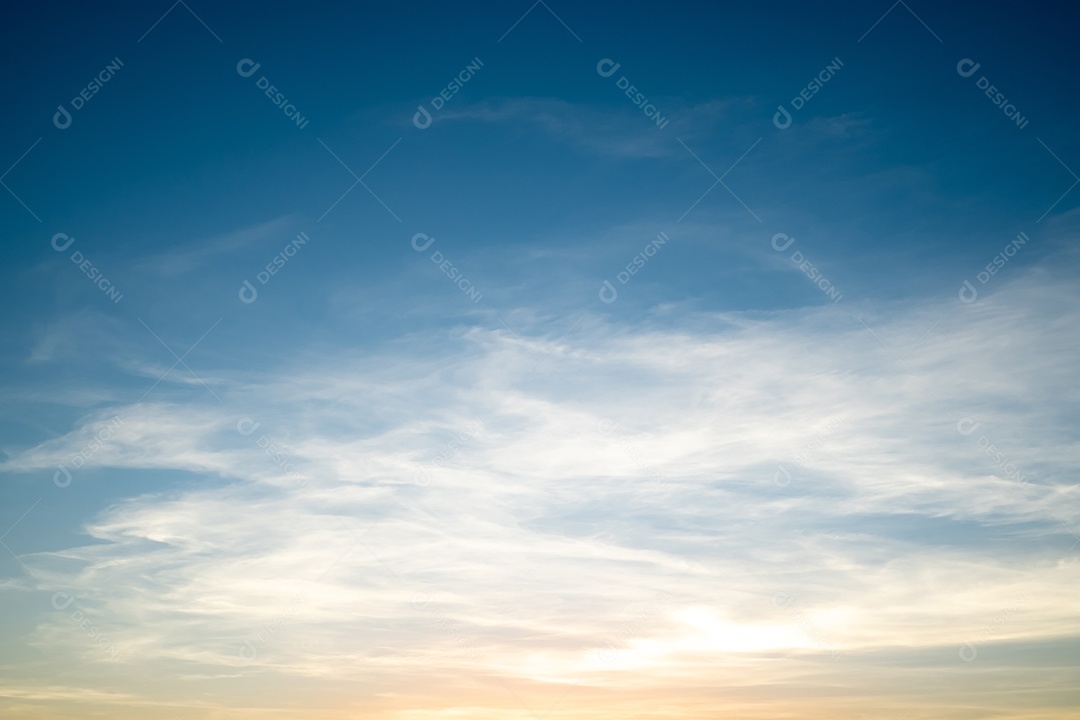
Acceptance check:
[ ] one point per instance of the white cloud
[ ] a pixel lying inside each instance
(194, 254)
(610, 466)
(620, 130)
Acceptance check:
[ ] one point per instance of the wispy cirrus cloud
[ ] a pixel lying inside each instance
(611, 467)
(606, 130)
(197, 253)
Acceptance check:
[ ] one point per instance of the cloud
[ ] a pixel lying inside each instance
(622, 506)
(620, 131)
(192, 255)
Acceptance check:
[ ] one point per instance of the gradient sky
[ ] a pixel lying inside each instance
(547, 409)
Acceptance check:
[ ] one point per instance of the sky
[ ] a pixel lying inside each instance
(550, 361)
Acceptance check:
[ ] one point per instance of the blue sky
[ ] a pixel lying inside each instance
(784, 441)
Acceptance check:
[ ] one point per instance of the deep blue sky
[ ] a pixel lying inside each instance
(719, 362)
